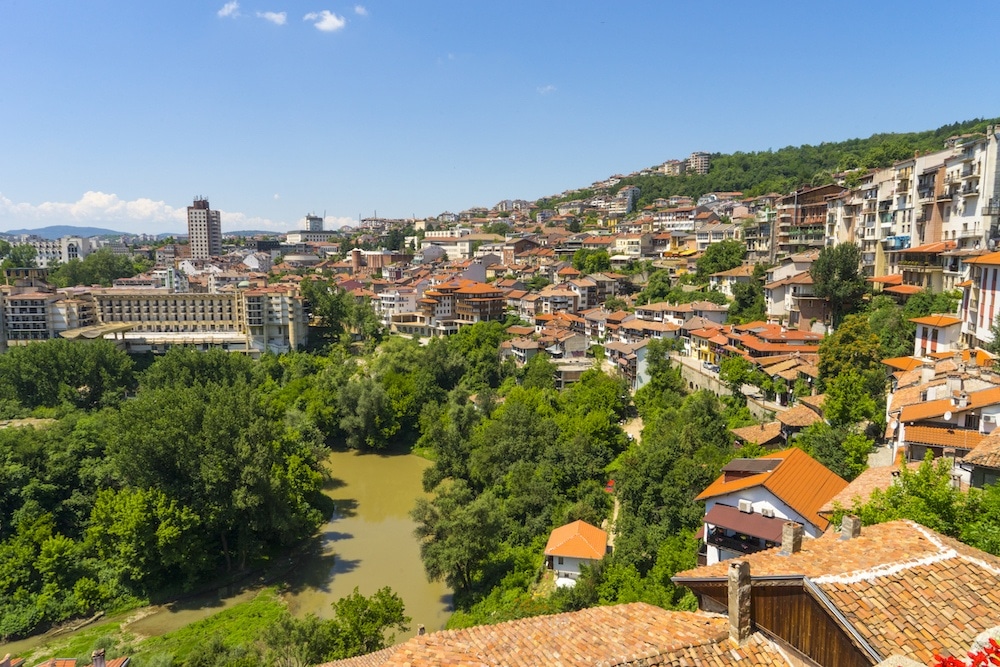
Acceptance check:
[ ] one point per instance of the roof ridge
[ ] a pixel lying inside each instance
(888, 569)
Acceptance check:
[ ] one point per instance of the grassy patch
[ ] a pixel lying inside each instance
(240, 624)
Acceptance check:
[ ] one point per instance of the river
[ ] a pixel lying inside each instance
(367, 543)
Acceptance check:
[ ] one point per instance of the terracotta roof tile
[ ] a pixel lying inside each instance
(577, 540)
(937, 320)
(629, 634)
(800, 481)
(943, 436)
(798, 417)
(937, 408)
(863, 485)
(761, 434)
(905, 589)
(986, 453)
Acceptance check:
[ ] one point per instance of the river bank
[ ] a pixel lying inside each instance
(366, 543)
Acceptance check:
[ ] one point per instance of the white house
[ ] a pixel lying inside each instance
(571, 546)
(748, 505)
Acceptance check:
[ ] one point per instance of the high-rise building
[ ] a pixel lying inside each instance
(314, 223)
(204, 230)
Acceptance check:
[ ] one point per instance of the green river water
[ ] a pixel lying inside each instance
(367, 543)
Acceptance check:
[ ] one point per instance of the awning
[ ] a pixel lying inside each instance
(755, 525)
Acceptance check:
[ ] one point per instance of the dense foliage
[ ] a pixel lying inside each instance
(928, 496)
(201, 472)
(101, 267)
(786, 169)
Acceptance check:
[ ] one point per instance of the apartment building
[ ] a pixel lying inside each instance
(204, 230)
(57, 251)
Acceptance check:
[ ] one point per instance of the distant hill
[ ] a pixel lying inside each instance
(253, 232)
(58, 231)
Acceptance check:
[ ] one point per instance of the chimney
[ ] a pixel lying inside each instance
(954, 382)
(927, 371)
(97, 658)
(739, 601)
(791, 538)
(421, 630)
(850, 526)
(963, 400)
(6, 661)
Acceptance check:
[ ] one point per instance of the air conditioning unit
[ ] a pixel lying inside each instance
(768, 512)
(746, 506)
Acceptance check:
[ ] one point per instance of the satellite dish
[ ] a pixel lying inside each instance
(992, 244)
(947, 416)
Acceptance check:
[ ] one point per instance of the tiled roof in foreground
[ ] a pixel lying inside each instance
(905, 589)
(628, 634)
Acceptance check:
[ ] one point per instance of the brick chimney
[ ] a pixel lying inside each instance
(739, 601)
(850, 527)
(791, 538)
(97, 658)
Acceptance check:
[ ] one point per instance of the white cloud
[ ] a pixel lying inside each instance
(360, 10)
(277, 18)
(101, 209)
(230, 9)
(546, 89)
(277, 196)
(326, 20)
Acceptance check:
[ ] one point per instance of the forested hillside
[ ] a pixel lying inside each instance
(786, 169)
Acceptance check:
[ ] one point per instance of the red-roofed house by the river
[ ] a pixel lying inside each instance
(573, 545)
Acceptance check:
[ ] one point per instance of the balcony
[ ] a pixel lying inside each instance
(969, 191)
(944, 196)
(975, 232)
(746, 545)
(991, 209)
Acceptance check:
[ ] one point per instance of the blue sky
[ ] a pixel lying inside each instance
(117, 113)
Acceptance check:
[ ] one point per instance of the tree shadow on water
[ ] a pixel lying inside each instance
(343, 508)
(319, 573)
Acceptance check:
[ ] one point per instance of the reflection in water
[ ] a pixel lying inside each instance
(368, 542)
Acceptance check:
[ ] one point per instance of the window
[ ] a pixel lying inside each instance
(560, 560)
(972, 422)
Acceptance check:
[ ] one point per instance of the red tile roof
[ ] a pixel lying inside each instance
(800, 481)
(985, 454)
(761, 435)
(636, 634)
(937, 408)
(905, 290)
(937, 320)
(577, 540)
(903, 588)
(798, 417)
(943, 436)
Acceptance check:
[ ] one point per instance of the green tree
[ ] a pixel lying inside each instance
(362, 624)
(853, 346)
(20, 256)
(926, 496)
(848, 402)
(736, 371)
(539, 372)
(53, 372)
(458, 532)
(721, 256)
(838, 448)
(837, 278)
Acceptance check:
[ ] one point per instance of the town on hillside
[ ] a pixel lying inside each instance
(719, 429)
